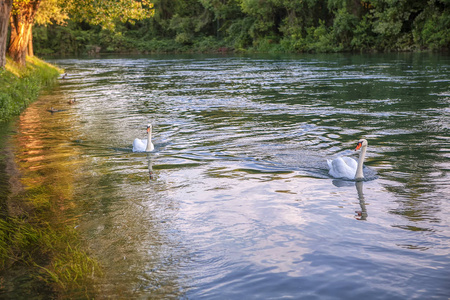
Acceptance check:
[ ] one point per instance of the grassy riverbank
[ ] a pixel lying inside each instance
(19, 86)
(40, 251)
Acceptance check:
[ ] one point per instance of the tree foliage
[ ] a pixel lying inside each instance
(52, 12)
(24, 14)
(108, 12)
(256, 25)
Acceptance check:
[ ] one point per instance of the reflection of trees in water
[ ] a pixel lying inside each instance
(125, 221)
(129, 220)
(409, 120)
(47, 165)
(48, 169)
(131, 227)
(420, 177)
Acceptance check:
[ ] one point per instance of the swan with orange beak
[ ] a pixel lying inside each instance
(144, 145)
(348, 168)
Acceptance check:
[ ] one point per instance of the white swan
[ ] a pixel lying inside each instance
(346, 167)
(144, 145)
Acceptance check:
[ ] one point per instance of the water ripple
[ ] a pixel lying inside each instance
(236, 198)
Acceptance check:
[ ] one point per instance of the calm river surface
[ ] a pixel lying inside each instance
(236, 201)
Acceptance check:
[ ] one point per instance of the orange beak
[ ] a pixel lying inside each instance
(358, 146)
(148, 129)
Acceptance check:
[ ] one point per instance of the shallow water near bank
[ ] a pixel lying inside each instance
(236, 199)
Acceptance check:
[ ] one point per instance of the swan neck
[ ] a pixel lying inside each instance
(149, 140)
(359, 170)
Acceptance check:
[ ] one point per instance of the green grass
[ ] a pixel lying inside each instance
(51, 256)
(46, 247)
(19, 86)
(40, 251)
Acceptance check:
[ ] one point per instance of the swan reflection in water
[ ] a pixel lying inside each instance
(360, 214)
(150, 167)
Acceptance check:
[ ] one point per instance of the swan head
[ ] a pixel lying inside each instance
(149, 127)
(361, 144)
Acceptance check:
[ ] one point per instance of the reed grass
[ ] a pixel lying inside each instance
(50, 251)
(35, 237)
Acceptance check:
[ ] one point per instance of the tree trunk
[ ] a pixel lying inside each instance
(21, 24)
(30, 50)
(5, 10)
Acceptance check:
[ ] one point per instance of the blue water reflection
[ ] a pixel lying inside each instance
(236, 201)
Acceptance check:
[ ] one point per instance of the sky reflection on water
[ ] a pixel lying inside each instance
(238, 200)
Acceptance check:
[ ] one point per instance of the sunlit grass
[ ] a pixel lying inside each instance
(40, 238)
(54, 256)
(35, 233)
(19, 86)
(17, 240)
(71, 269)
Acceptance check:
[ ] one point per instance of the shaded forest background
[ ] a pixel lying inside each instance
(261, 26)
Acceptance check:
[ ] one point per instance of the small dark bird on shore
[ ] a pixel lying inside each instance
(71, 101)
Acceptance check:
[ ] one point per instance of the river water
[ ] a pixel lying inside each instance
(235, 202)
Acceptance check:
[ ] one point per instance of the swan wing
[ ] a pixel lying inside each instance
(139, 145)
(350, 162)
(342, 167)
